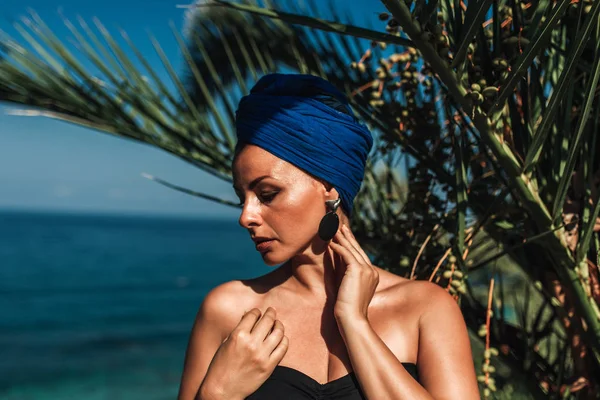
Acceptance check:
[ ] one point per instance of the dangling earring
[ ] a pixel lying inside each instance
(331, 222)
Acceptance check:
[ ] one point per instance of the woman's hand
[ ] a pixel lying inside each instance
(246, 358)
(359, 277)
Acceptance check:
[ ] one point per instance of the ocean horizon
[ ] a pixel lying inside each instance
(100, 305)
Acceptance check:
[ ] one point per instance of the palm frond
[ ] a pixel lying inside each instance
(460, 105)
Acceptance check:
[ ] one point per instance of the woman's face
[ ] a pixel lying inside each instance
(281, 204)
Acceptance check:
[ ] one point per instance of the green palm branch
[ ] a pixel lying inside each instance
(505, 84)
(488, 107)
(224, 52)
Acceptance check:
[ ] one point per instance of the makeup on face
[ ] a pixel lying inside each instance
(282, 205)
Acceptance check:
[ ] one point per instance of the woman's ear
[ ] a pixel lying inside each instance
(330, 192)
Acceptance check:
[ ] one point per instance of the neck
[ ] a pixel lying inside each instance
(314, 275)
(317, 272)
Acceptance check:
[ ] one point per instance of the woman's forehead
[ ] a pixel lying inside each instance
(250, 153)
(253, 162)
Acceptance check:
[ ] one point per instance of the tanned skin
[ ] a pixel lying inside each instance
(325, 311)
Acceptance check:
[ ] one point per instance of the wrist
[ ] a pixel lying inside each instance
(209, 391)
(352, 326)
(350, 319)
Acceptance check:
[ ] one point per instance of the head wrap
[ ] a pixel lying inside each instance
(294, 117)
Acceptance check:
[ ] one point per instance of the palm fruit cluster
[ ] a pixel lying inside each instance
(401, 88)
(487, 369)
(456, 279)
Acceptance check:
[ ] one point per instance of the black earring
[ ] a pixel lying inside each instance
(330, 222)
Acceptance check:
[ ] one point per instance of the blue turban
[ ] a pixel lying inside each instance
(294, 117)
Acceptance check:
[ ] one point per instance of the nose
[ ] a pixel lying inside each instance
(250, 215)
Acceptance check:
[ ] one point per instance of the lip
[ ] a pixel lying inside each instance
(263, 244)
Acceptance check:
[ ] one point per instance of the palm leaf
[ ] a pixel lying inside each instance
(312, 22)
(476, 12)
(187, 121)
(567, 172)
(525, 60)
(563, 84)
(471, 192)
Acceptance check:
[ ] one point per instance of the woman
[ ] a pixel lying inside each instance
(326, 324)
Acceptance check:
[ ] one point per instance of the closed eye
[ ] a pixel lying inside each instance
(267, 197)
(264, 198)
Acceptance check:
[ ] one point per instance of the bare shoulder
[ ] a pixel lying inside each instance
(223, 306)
(443, 351)
(431, 306)
(414, 294)
(223, 296)
(227, 303)
(426, 294)
(444, 354)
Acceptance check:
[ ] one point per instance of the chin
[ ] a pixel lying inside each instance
(277, 255)
(272, 259)
(280, 256)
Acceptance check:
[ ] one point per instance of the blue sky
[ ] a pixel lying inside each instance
(51, 165)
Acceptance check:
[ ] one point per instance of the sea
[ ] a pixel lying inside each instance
(96, 306)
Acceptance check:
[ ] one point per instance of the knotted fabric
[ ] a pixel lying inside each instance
(294, 117)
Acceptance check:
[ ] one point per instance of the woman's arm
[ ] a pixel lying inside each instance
(205, 338)
(229, 354)
(444, 356)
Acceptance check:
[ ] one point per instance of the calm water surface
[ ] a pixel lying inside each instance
(100, 307)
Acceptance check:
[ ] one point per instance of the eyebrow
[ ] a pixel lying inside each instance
(253, 183)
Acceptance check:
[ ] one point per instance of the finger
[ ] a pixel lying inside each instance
(274, 337)
(350, 236)
(353, 246)
(346, 254)
(341, 270)
(264, 326)
(341, 239)
(337, 264)
(361, 255)
(248, 320)
(280, 350)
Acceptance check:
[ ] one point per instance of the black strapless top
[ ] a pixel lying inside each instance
(290, 384)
